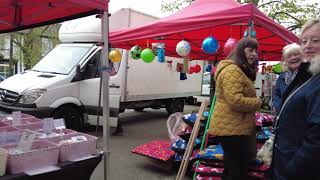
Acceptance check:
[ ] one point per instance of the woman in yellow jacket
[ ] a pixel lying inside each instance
(233, 119)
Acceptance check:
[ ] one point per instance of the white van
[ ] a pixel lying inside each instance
(65, 83)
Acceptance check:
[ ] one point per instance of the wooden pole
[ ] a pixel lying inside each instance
(192, 139)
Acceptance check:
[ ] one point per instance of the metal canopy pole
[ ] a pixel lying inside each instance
(105, 92)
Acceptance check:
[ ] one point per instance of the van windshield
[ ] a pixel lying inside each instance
(62, 59)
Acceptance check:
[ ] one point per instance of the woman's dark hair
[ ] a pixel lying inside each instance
(240, 58)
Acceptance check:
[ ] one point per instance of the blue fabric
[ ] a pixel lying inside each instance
(190, 119)
(297, 140)
(280, 89)
(264, 134)
(211, 153)
(178, 157)
(180, 145)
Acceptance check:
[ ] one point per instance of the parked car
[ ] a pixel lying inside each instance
(2, 78)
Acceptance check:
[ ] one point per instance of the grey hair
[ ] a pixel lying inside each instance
(309, 24)
(288, 50)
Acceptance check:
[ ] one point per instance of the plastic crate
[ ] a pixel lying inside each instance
(69, 152)
(3, 124)
(24, 121)
(43, 153)
(9, 117)
(34, 127)
(6, 140)
(37, 127)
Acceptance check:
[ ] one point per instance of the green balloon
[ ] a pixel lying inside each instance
(277, 68)
(147, 55)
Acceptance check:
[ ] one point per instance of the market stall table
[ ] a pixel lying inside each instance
(80, 170)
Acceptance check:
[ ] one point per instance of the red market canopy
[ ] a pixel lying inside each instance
(221, 18)
(23, 14)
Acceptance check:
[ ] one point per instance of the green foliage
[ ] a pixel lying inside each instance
(29, 43)
(174, 5)
(289, 13)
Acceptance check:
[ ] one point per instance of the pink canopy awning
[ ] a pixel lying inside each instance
(23, 14)
(223, 19)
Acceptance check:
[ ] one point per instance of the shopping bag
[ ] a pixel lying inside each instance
(265, 153)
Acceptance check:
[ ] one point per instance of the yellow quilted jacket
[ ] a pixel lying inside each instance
(236, 102)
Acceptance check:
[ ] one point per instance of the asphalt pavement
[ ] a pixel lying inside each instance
(139, 128)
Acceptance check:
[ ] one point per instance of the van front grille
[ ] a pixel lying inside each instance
(8, 97)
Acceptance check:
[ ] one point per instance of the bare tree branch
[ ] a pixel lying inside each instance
(271, 2)
(281, 12)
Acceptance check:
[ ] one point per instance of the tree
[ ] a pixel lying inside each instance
(289, 13)
(29, 42)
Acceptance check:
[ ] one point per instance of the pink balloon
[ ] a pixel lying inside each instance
(213, 70)
(229, 45)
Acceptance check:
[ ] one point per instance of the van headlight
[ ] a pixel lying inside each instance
(31, 96)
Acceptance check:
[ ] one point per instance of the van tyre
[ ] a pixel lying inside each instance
(176, 105)
(71, 115)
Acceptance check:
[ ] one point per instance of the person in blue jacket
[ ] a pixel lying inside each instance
(292, 58)
(296, 152)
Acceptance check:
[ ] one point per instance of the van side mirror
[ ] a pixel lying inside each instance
(77, 77)
(78, 69)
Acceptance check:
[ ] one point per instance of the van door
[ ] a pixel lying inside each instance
(90, 91)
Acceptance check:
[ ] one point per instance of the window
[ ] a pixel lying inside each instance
(62, 59)
(91, 69)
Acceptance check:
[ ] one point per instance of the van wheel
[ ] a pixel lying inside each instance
(139, 109)
(72, 117)
(176, 105)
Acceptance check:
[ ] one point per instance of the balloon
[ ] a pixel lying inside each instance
(190, 70)
(213, 70)
(196, 68)
(208, 68)
(147, 55)
(229, 45)
(115, 56)
(183, 48)
(135, 52)
(269, 69)
(210, 45)
(277, 68)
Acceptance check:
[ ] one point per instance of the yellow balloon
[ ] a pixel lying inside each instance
(115, 56)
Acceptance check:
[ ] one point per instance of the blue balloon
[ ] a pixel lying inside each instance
(210, 45)
(208, 68)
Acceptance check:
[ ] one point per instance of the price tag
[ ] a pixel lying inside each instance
(16, 118)
(48, 125)
(59, 123)
(13, 137)
(26, 140)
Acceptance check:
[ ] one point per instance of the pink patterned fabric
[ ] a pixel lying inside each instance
(213, 171)
(263, 118)
(259, 119)
(155, 149)
(199, 177)
(267, 117)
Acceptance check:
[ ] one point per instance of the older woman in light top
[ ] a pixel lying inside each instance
(292, 57)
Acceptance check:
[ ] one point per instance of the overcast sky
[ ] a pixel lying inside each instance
(152, 7)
